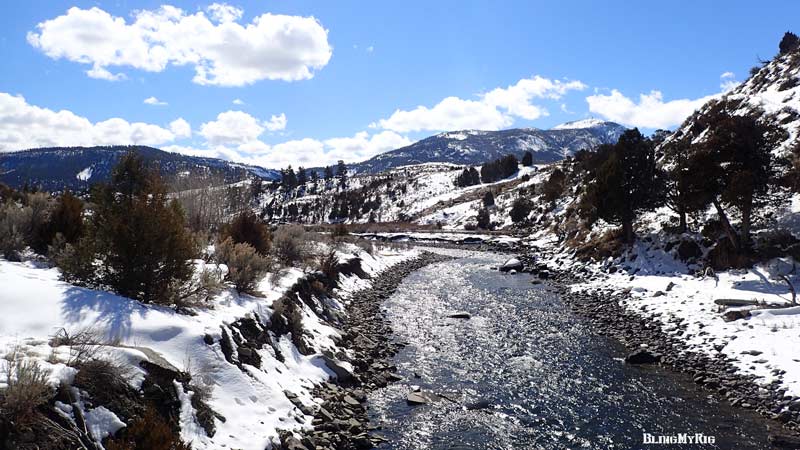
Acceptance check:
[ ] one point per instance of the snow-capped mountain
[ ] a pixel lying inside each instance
(76, 168)
(472, 147)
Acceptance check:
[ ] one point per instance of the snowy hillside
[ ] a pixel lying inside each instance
(473, 147)
(76, 168)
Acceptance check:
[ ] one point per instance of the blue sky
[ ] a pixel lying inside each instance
(350, 82)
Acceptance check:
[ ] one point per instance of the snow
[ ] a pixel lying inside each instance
(578, 124)
(101, 422)
(253, 402)
(84, 174)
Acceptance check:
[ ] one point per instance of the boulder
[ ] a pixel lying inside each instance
(642, 357)
(689, 249)
(512, 264)
(730, 316)
(343, 374)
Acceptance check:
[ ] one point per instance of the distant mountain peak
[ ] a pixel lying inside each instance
(579, 124)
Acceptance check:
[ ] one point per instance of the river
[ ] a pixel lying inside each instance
(524, 372)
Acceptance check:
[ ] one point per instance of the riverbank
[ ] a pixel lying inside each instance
(340, 421)
(670, 340)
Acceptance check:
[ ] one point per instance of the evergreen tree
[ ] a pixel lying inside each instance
(246, 228)
(789, 43)
(484, 219)
(302, 176)
(625, 184)
(139, 235)
(527, 159)
(328, 173)
(554, 186)
(341, 174)
(488, 199)
(65, 219)
(734, 165)
(520, 209)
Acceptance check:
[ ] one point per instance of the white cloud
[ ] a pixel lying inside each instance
(23, 125)
(276, 123)
(232, 128)
(727, 81)
(493, 110)
(238, 102)
(180, 128)
(650, 112)
(222, 51)
(154, 101)
(362, 146)
(224, 13)
(370, 49)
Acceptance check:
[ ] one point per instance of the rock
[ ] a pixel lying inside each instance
(208, 339)
(342, 373)
(480, 404)
(730, 316)
(543, 274)
(642, 357)
(752, 352)
(460, 315)
(512, 264)
(659, 294)
(292, 443)
(420, 398)
(670, 286)
(784, 440)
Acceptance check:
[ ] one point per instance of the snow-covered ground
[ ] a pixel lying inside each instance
(35, 304)
(663, 290)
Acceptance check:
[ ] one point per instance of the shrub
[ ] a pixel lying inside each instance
(245, 266)
(328, 263)
(27, 388)
(484, 219)
(340, 230)
(150, 431)
(288, 245)
(246, 228)
(76, 261)
(520, 209)
(66, 219)
(366, 245)
(488, 199)
(13, 222)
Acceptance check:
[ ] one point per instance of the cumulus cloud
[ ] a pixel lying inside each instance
(222, 51)
(238, 102)
(232, 128)
(154, 101)
(180, 128)
(493, 110)
(23, 125)
(276, 123)
(652, 111)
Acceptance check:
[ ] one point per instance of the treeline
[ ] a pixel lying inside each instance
(134, 237)
(492, 171)
(303, 179)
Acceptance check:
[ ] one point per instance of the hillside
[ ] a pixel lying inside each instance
(474, 147)
(76, 168)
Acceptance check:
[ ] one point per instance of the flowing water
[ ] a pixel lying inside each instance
(524, 372)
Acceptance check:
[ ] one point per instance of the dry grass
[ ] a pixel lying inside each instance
(27, 387)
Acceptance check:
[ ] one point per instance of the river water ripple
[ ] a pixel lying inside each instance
(524, 372)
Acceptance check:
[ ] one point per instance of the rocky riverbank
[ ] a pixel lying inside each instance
(649, 344)
(341, 422)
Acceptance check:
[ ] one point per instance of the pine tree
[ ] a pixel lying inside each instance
(625, 184)
(328, 173)
(789, 43)
(341, 174)
(302, 176)
(734, 166)
(488, 199)
(520, 209)
(527, 159)
(554, 186)
(139, 235)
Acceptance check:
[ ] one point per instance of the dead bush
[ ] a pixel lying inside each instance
(328, 263)
(366, 245)
(200, 289)
(14, 222)
(245, 266)
(106, 381)
(289, 245)
(84, 344)
(27, 388)
(149, 431)
(247, 228)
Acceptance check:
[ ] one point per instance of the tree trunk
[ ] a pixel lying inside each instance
(726, 224)
(682, 226)
(747, 214)
(627, 231)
